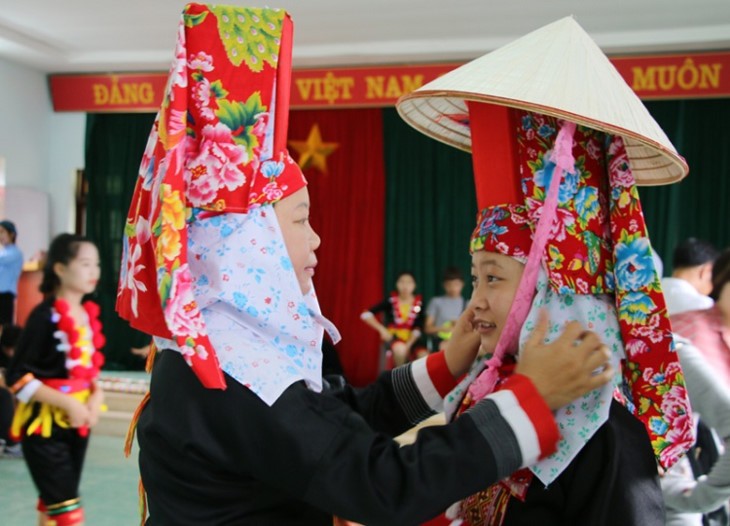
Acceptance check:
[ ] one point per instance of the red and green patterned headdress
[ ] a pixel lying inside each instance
(217, 146)
(556, 159)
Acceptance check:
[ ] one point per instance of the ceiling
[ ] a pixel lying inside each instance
(139, 35)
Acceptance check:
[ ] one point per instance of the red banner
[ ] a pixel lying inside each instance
(124, 92)
(677, 76)
(363, 87)
(651, 77)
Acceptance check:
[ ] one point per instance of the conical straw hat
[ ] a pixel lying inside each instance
(556, 70)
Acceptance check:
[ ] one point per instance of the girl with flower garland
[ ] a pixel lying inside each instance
(53, 374)
(403, 320)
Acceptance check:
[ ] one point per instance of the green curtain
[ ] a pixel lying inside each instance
(430, 206)
(698, 206)
(114, 147)
(430, 199)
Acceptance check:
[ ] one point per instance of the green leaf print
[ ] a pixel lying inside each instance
(593, 242)
(157, 226)
(644, 405)
(240, 119)
(194, 20)
(217, 90)
(251, 35)
(237, 115)
(164, 288)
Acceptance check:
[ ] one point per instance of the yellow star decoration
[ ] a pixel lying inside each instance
(314, 152)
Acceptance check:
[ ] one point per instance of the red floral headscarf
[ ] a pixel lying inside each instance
(597, 243)
(218, 145)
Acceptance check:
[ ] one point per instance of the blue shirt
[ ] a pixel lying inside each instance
(11, 265)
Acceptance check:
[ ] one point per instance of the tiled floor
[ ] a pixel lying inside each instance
(108, 487)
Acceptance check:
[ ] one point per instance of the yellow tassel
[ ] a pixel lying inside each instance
(47, 415)
(151, 357)
(142, 502)
(44, 420)
(133, 425)
(23, 413)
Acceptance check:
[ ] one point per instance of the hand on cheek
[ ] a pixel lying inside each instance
(461, 350)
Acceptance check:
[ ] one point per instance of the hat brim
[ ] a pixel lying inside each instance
(556, 70)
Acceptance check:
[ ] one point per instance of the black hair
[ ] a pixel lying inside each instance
(10, 334)
(451, 273)
(693, 252)
(720, 274)
(405, 273)
(9, 227)
(64, 249)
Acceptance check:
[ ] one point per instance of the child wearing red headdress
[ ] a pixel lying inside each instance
(53, 374)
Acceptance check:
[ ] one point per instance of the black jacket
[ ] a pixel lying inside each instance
(214, 457)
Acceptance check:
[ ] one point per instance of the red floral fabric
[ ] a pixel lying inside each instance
(599, 245)
(218, 145)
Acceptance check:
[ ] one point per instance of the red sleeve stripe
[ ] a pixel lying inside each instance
(528, 414)
(438, 371)
(425, 384)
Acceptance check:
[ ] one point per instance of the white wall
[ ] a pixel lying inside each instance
(66, 155)
(25, 111)
(42, 149)
(29, 209)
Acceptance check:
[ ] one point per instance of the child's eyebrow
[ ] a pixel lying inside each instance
(303, 204)
(490, 262)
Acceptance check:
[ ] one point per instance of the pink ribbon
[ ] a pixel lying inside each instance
(562, 157)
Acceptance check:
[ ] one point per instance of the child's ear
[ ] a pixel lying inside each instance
(58, 268)
(706, 270)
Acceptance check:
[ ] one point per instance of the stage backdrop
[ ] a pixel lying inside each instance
(346, 186)
(698, 206)
(430, 207)
(386, 198)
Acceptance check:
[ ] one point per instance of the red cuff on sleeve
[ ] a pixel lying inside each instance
(537, 411)
(439, 373)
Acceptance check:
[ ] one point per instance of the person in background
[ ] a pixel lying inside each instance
(691, 280)
(692, 489)
(8, 447)
(696, 490)
(403, 318)
(443, 311)
(709, 329)
(11, 265)
(53, 373)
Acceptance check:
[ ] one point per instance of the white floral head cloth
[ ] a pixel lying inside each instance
(214, 164)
